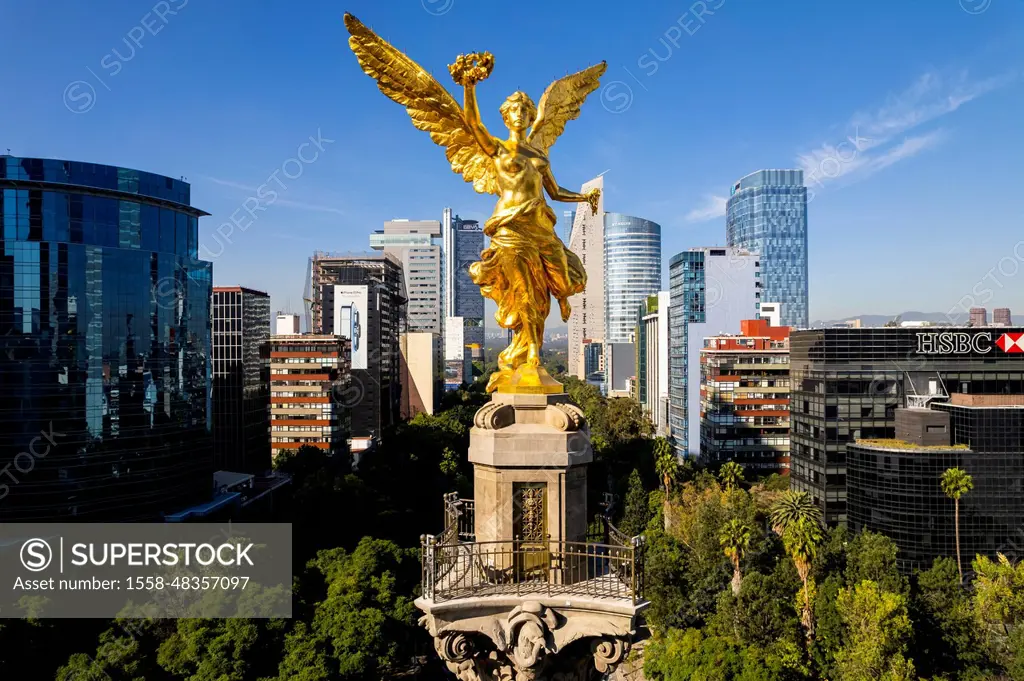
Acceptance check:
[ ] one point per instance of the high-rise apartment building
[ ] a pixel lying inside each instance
(652, 359)
(463, 301)
(241, 389)
(1001, 317)
(745, 397)
(767, 214)
(360, 298)
(632, 271)
(104, 340)
(711, 290)
(311, 396)
(586, 322)
(979, 316)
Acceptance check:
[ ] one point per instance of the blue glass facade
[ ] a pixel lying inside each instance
(104, 344)
(686, 278)
(767, 214)
(632, 265)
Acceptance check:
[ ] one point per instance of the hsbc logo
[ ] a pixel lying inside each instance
(962, 343)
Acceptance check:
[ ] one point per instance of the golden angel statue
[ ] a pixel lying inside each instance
(525, 263)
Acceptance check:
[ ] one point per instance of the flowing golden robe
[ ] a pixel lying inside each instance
(525, 264)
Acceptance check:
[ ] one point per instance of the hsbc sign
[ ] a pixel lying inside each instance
(964, 343)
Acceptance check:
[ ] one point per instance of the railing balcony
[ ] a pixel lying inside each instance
(454, 565)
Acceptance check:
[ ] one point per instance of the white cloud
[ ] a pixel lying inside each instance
(876, 138)
(713, 207)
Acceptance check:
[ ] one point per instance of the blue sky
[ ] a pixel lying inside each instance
(908, 113)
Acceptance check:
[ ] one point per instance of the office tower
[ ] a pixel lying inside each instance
(847, 384)
(361, 299)
(711, 290)
(893, 485)
(420, 351)
(979, 316)
(417, 245)
(241, 390)
(632, 271)
(311, 392)
(767, 214)
(104, 344)
(1001, 317)
(652, 359)
(463, 302)
(287, 324)
(745, 397)
(619, 369)
(568, 219)
(586, 322)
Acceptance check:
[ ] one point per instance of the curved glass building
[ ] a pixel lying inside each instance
(104, 344)
(767, 214)
(632, 267)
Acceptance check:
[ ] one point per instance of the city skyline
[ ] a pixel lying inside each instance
(881, 130)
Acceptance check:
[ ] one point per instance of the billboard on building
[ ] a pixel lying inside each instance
(350, 317)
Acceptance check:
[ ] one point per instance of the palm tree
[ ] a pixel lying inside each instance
(665, 463)
(791, 508)
(955, 483)
(731, 474)
(801, 539)
(735, 540)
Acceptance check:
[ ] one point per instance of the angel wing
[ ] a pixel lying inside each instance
(561, 103)
(430, 106)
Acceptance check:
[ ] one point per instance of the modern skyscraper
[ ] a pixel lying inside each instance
(586, 321)
(311, 391)
(652, 359)
(847, 384)
(241, 389)
(416, 245)
(463, 302)
(711, 291)
(361, 299)
(632, 271)
(421, 387)
(745, 397)
(767, 214)
(979, 316)
(1001, 317)
(893, 484)
(104, 344)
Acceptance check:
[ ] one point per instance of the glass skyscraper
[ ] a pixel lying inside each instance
(104, 344)
(632, 265)
(463, 302)
(767, 214)
(711, 290)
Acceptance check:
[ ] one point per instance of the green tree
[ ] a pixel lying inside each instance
(791, 508)
(871, 556)
(999, 611)
(735, 540)
(876, 632)
(665, 463)
(364, 624)
(636, 513)
(956, 483)
(947, 640)
(731, 474)
(801, 539)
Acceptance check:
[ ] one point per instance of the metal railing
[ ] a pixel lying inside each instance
(459, 517)
(456, 566)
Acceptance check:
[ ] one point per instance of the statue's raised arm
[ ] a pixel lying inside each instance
(430, 106)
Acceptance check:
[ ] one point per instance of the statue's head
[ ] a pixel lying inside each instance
(518, 111)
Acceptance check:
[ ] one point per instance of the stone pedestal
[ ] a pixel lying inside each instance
(530, 439)
(529, 599)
